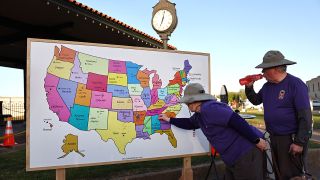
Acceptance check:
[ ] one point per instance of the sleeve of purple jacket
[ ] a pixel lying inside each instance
(185, 123)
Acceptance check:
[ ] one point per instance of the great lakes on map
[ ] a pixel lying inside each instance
(119, 99)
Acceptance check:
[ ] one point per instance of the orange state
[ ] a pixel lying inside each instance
(143, 78)
(83, 95)
(177, 79)
(66, 54)
(171, 114)
(138, 117)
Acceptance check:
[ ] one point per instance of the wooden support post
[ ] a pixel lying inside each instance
(60, 174)
(187, 173)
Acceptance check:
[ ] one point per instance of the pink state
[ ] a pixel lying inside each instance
(117, 67)
(55, 102)
(101, 100)
(138, 104)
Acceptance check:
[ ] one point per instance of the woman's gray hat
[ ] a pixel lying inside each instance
(273, 59)
(195, 92)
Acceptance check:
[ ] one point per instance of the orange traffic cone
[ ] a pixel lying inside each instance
(8, 135)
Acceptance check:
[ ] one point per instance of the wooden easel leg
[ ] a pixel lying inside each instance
(187, 173)
(60, 174)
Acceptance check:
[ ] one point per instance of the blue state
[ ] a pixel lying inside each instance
(79, 117)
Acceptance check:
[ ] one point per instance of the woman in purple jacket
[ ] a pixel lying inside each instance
(240, 145)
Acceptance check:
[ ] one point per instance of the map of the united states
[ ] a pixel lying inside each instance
(119, 99)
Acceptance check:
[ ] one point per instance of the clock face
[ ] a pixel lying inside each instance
(162, 20)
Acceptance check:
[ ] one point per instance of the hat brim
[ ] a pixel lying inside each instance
(194, 98)
(274, 64)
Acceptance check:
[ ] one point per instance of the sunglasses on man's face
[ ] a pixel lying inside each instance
(265, 69)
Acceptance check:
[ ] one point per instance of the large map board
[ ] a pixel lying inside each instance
(92, 104)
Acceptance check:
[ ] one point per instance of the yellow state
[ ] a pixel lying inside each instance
(70, 143)
(118, 79)
(121, 103)
(60, 69)
(122, 133)
(159, 104)
(176, 109)
(172, 139)
(93, 64)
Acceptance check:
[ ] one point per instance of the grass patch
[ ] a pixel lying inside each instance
(12, 165)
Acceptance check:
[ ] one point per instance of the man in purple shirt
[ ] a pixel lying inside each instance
(287, 114)
(240, 145)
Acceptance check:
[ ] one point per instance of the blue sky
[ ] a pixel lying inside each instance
(236, 34)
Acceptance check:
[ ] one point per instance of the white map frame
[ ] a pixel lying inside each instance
(44, 142)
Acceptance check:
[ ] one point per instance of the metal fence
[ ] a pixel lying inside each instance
(13, 108)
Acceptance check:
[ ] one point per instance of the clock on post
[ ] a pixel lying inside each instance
(164, 20)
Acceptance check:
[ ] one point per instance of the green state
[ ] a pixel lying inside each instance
(93, 64)
(172, 139)
(98, 119)
(147, 125)
(122, 133)
(176, 109)
(173, 89)
(60, 69)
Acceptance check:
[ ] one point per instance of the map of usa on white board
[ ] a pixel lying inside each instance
(99, 104)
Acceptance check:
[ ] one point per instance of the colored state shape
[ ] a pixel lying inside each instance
(154, 96)
(101, 100)
(97, 82)
(164, 125)
(174, 89)
(138, 117)
(122, 133)
(172, 139)
(143, 78)
(157, 108)
(83, 95)
(183, 76)
(55, 102)
(93, 64)
(70, 144)
(171, 100)
(162, 93)
(67, 91)
(121, 103)
(60, 69)
(170, 114)
(117, 67)
(135, 89)
(156, 82)
(140, 133)
(155, 124)
(118, 79)
(187, 66)
(132, 70)
(125, 115)
(138, 104)
(147, 125)
(177, 79)
(76, 73)
(66, 54)
(98, 119)
(175, 109)
(79, 117)
(118, 91)
(146, 96)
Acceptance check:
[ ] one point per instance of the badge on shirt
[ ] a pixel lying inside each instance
(281, 94)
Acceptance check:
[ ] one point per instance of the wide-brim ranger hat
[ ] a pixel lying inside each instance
(274, 58)
(195, 92)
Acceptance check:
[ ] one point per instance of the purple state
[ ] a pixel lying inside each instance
(140, 133)
(67, 91)
(153, 112)
(187, 66)
(125, 115)
(168, 98)
(77, 74)
(165, 125)
(146, 96)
